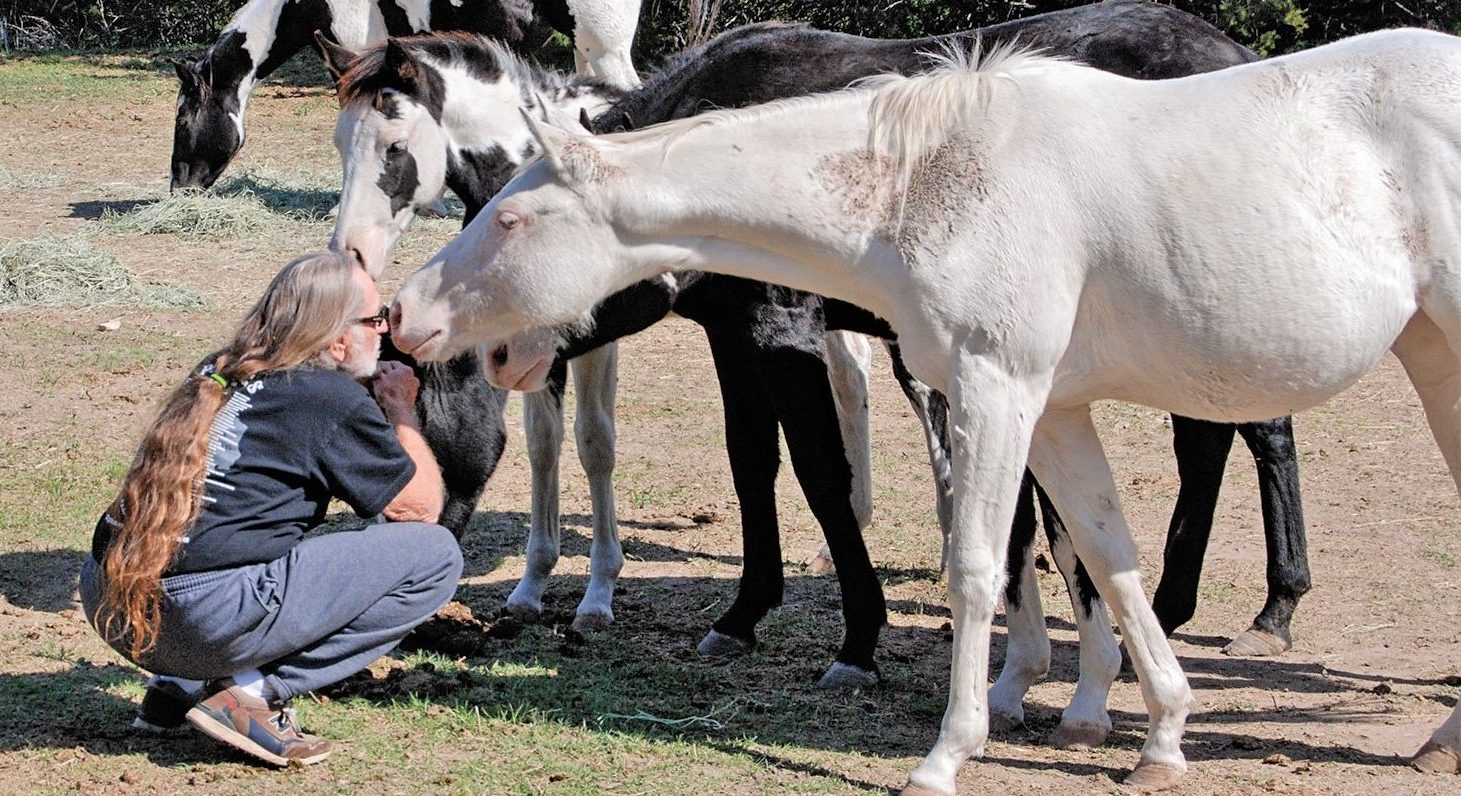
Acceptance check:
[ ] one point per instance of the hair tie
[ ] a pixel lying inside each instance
(220, 378)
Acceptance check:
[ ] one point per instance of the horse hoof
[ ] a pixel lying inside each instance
(843, 675)
(821, 563)
(1004, 722)
(592, 623)
(1253, 643)
(1148, 777)
(914, 789)
(718, 645)
(1436, 759)
(527, 614)
(1080, 735)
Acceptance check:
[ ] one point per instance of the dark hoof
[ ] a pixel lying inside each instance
(912, 789)
(1004, 723)
(718, 645)
(843, 675)
(1254, 643)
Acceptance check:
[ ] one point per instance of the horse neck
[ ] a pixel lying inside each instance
(484, 128)
(259, 38)
(823, 220)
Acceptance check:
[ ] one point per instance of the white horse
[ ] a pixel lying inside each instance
(1230, 246)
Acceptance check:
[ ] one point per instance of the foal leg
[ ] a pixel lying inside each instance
(543, 424)
(1432, 359)
(1202, 454)
(1027, 643)
(1084, 724)
(596, 380)
(992, 413)
(1272, 445)
(848, 358)
(754, 449)
(1066, 456)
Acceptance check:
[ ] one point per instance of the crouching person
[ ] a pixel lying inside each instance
(198, 571)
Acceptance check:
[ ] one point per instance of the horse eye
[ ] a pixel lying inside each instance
(508, 220)
(396, 148)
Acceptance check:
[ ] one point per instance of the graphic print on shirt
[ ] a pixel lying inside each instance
(223, 439)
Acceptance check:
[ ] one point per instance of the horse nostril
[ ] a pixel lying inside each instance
(499, 356)
(395, 315)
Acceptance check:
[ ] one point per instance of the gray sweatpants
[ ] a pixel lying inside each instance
(315, 616)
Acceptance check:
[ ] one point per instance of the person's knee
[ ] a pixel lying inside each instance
(440, 545)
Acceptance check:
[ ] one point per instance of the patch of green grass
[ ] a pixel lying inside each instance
(69, 271)
(1439, 556)
(58, 77)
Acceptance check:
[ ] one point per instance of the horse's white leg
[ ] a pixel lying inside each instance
(849, 356)
(1085, 723)
(543, 424)
(1432, 359)
(596, 380)
(1067, 459)
(603, 31)
(1027, 650)
(992, 414)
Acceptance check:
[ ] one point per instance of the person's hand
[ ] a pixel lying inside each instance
(395, 386)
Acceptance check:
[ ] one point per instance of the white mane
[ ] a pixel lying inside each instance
(911, 116)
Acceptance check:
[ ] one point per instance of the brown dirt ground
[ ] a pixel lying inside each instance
(1375, 663)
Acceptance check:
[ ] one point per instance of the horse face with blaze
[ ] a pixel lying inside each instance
(209, 129)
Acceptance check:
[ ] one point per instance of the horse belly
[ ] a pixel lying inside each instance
(1249, 350)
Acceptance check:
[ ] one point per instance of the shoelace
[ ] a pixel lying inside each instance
(286, 721)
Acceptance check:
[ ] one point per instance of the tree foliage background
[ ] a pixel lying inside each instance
(1269, 26)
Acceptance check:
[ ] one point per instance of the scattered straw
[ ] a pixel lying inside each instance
(242, 205)
(57, 271)
(11, 179)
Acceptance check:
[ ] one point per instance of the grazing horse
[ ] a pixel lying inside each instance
(1229, 246)
(215, 85)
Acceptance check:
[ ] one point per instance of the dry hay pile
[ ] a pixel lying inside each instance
(68, 271)
(10, 179)
(250, 204)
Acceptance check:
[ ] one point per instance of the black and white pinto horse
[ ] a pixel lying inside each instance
(263, 34)
(765, 339)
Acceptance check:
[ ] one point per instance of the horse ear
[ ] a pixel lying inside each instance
(338, 59)
(628, 123)
(573, 158)
(187, 69)
(400, 63)
(584, 120)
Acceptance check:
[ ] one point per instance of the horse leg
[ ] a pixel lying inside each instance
(461, 419)
(1202, 453)
(1432, 359)
(602, 35)
(796, 381)
(993, 413)
(1066, 456)
(1272, 445)
(596, 380)
(543, 424)
(1084, 724)
(848, 358)
(754, 450)
(933, 412)
(1027, 644)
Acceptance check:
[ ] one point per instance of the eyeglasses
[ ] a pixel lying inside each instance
(381, 321)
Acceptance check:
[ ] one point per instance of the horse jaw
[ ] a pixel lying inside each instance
(522, 362)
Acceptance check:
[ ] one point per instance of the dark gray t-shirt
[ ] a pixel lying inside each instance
(282, 446)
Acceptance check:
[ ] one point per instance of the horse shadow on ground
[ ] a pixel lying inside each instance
(93, 211)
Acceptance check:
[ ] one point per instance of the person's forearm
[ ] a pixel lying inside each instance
(422, 498)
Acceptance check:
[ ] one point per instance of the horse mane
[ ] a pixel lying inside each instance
(911, 115)
(480, 56)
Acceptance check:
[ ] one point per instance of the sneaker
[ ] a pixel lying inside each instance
(251, 725)
(164, 706)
